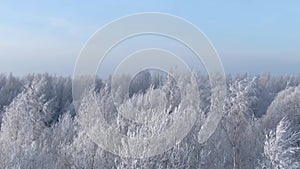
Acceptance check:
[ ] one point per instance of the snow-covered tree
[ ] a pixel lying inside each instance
(23, 126)
(26, 138)
(238, 119)
(281, 148)
(10, 87)
(286, 103)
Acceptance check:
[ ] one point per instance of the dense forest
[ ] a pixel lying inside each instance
(42, 127)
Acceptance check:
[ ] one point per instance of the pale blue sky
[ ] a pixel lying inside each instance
(250, 36)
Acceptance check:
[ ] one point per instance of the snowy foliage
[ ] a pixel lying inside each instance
(41, 129)
(281, 148)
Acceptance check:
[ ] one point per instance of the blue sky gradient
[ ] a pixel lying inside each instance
(250, 36)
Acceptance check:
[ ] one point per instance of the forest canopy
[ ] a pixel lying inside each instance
(42, 127)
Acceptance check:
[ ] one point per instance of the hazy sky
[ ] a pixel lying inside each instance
(251, 36)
